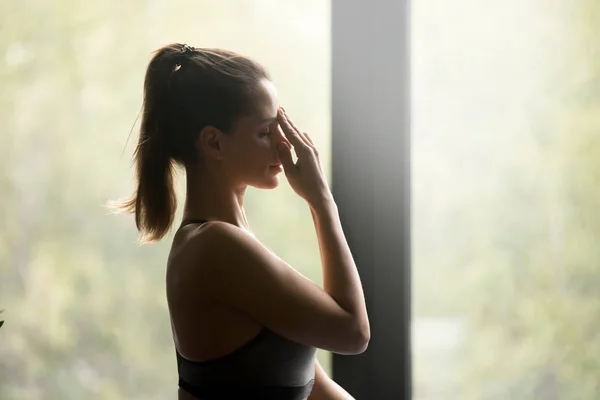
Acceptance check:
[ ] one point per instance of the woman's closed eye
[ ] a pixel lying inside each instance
(266, 131)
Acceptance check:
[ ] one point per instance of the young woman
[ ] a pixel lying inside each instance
(246, 325)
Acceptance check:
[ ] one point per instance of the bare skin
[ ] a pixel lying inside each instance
(219, 299)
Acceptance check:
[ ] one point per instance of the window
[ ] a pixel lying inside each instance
(505, 111)
(85, 308)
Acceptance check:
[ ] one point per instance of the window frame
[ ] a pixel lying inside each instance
(371, 169)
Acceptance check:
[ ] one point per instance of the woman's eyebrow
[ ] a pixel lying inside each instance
(271, 119)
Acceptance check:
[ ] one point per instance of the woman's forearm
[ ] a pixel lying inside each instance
(340, 276)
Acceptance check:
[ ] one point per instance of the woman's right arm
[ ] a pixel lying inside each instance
(340, 276)
(240, 271)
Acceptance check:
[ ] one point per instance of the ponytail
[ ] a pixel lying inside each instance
(154, 202)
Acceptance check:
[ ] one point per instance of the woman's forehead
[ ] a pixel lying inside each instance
(264, 106)
(259, 116)
(266, 101)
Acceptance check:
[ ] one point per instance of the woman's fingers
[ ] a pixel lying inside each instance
(285, 156)
(290, 133)
(300, 133)
(309, 138)
(305, 144)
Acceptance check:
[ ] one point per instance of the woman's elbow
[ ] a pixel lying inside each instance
(364, 339)
(359, 341)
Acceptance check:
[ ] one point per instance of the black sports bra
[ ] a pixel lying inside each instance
(268, 367)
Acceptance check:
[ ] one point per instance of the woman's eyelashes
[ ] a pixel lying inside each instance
(266, 132)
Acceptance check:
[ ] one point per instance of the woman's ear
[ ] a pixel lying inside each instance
(209, 143)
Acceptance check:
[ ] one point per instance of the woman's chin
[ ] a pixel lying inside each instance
(271, 182)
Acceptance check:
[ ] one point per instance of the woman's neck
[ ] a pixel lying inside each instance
(213, 198)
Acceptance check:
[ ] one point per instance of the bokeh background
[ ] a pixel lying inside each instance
(506, 188)
(506, 199)
(84, 302)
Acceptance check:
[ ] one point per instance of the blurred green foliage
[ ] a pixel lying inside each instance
(85, 304)
(506, 217)
(506, 190)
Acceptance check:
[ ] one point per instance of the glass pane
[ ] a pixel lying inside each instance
(506, 199)
(85, 310)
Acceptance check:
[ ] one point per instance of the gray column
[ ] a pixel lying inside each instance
(371, 183)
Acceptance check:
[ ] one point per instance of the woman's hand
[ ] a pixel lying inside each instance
(306, 175)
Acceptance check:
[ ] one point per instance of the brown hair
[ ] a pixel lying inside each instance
(185, 89)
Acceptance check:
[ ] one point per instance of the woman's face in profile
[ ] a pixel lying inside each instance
(251, 151)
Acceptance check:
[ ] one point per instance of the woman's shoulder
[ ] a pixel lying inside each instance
(204, 247)
(212, 236)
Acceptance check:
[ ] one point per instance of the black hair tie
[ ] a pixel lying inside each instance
(187, 49)
(182, 57)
